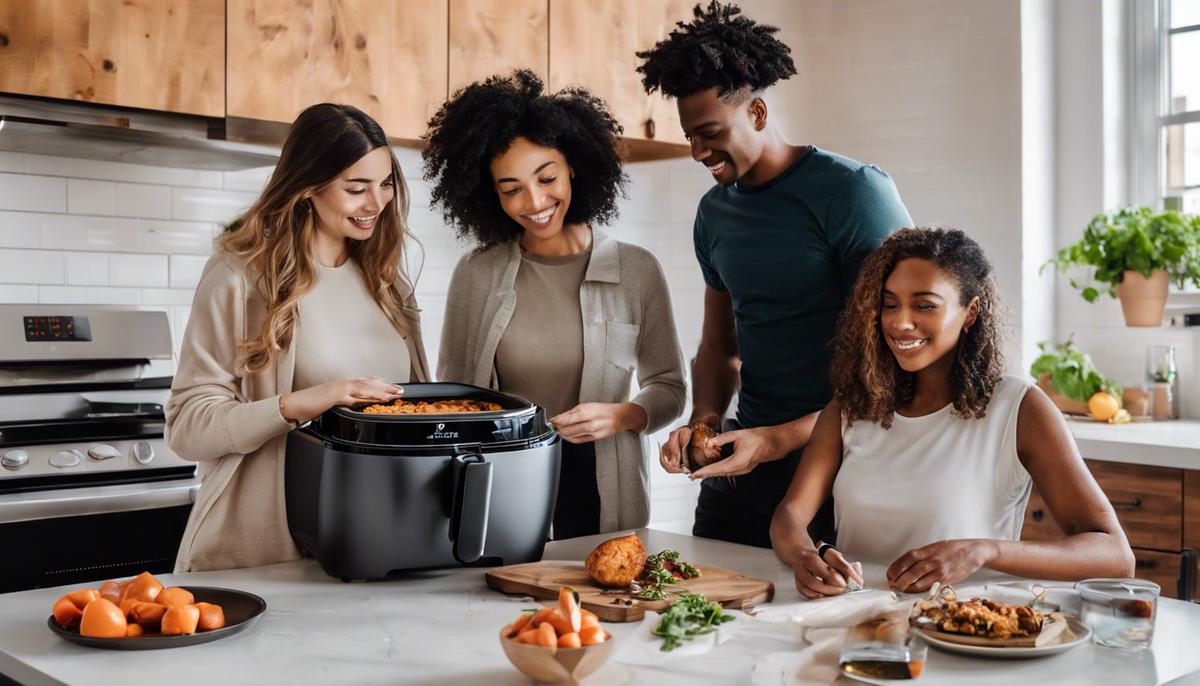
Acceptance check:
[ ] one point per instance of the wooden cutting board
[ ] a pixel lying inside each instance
(544, 579)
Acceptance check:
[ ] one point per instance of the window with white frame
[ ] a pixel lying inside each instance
(1179, 116)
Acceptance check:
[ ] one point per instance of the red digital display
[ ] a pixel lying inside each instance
(57, 328)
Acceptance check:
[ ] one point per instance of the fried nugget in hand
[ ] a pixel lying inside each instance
(701, 453)
(617, 562)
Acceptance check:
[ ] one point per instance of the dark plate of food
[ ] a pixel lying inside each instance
(240, 609)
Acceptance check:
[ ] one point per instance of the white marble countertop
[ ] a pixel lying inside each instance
(1174, 443)
(440, 628)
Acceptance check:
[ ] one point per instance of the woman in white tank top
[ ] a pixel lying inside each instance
(928, 449)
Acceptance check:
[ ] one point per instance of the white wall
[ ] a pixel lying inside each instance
(1093, 138)
(931, 91)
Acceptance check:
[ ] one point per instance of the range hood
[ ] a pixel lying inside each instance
(113, 135)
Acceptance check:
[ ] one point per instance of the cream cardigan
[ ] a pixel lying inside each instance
(219, 419)
(627, 326)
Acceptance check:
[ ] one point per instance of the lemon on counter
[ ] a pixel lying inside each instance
(1103, 406)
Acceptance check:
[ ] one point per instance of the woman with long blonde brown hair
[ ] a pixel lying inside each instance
(305, 306)
(928, 449)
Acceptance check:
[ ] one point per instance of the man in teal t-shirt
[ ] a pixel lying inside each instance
(779, 239)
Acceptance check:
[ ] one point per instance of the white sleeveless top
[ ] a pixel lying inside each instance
(931, 478)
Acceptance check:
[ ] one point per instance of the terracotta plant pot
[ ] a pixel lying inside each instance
(1062, 402)
(1142, 299)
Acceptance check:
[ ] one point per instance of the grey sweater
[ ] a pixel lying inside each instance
(628, 327)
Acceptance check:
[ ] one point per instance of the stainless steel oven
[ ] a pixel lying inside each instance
(88, 488)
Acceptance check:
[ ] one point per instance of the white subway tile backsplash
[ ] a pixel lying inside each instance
(96, 295)
(20, 230)
(143, 200)
(18, 295)
(208, 205)
(248, 180)
(85, 196)
(87, 269)
(147, 271)
(156, 235)
(12, 162)
(167, 296)
(32, 193)
(186, 269)
(31, 266)
(74, 232)
(120, 171)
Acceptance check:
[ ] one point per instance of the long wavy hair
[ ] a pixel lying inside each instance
(868, 383)
(277, 233)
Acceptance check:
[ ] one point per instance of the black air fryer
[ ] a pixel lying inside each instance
(370, 494)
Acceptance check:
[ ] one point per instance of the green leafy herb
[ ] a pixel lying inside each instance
(662, 569)
(1135, 239)
(1072, 371)
(690, 616)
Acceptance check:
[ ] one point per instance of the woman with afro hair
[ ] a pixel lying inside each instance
(548, 306)
(928, 449)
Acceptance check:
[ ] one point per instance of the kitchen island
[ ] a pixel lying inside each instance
(441, 627)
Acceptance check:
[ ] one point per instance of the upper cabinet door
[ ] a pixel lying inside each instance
(657, 20)
(490, 37)
(386, 58)
(594, 43)
(166, 55)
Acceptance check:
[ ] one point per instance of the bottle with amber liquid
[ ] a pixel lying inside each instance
(883, 648)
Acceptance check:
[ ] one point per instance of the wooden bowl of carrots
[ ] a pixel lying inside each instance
(555, 645)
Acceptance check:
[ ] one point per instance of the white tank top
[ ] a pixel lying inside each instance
(931, 478)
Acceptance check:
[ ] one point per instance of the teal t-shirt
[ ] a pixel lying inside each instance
(788, 253)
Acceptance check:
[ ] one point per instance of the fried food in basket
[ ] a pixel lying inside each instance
(617, 562)
(701, 452)
(981, 617)
(454, 406)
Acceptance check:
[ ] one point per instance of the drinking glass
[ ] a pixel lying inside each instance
(1120, 612)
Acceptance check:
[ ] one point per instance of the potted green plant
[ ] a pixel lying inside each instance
(1070, 378)
(1137, 252)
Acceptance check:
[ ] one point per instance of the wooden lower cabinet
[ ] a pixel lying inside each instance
(1164, 569)
(1159, 513)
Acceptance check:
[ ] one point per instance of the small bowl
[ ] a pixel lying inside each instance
(562, 666)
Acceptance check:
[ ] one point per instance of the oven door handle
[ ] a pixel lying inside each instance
(73, 502)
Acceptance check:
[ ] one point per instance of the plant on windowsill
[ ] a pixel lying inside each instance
(1136, 252)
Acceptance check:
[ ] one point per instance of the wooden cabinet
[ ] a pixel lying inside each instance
(1148, 502)
(496, 36)
(594, 43)
(1191, 525)
(1158, 512)
(164, 55)
(388, 59)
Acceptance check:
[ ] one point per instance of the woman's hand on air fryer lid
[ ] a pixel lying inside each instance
(301, 406)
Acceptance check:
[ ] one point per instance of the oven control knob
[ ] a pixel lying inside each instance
(103, 451)
(15, 459)
(143, 452)
(65, 458)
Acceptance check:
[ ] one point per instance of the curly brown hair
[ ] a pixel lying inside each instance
(867, 381)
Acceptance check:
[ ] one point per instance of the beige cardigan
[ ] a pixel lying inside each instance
(219, 419)
(627, 325)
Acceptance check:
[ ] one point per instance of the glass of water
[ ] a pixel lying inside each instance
(1120, 612)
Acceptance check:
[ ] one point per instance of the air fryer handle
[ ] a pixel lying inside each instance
(472, 500)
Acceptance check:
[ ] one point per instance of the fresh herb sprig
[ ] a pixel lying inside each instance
(660, 571)
(690, 616)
